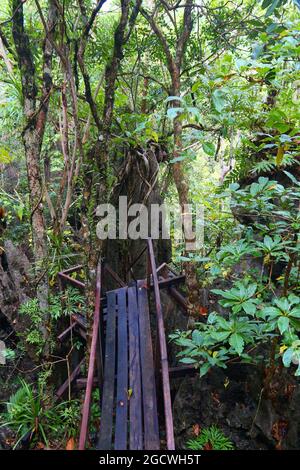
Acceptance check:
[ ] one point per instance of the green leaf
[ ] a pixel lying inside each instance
(220, 335)
(295, 312)
(197, 337)
(196, 85)
(172, 113)
(173, 98)
(209, 148)
(249, 308)
(237, 342)
(287, 357)
(266, 3)
(219, 101)
(204, 369)
(188, 360)
(272, 7)
(283, 324)
(4, 156)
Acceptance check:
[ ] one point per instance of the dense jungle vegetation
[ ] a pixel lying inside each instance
(176, 101)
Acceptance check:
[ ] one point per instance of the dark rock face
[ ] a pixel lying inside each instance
(233, 399)
(14, 283)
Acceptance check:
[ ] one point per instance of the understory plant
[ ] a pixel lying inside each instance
(32, 415)
(211, 438)
(60, 305)
(260, 304)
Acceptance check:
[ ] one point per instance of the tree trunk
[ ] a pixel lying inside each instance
(32, 152)
(182, 185)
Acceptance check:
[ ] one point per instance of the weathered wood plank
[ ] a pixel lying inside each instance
(122, 374)
(135, 400)
(151, 429)
(106, 426)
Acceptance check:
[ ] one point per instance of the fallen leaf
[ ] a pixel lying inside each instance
(70, 444)
(203, 311)
(226, 382)
(279, 430)
(208, 446)
(196, 429)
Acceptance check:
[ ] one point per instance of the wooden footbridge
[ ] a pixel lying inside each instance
(128, 360)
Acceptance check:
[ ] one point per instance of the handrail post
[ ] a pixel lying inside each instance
(163, 352)
(92, 360)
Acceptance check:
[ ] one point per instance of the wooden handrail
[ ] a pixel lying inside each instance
(70, 280)
(92, 363)
(71, 270)
(163, 350)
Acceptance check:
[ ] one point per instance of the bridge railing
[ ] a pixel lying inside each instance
(162, 344)
(93, 358)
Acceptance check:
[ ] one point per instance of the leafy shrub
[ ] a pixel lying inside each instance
(259, 308)
(30, 413)
(211, 438)
(59, 305)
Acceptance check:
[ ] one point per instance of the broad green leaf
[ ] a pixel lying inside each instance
(5, 156)
(188, 360)
(237, 342)
(197, 337)
(295, 312)
(271, 312)
(172, 113)
(204, 369)
(209, 148)
(283, 324)
(219, 100)
(272, 7)
(196, 85)
(287, 357)
(249, 308)
(220, 335)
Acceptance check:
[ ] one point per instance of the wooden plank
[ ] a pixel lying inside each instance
(122, 374)
(163, 353)
(151, 429)
(105, 438)
(135, 400)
